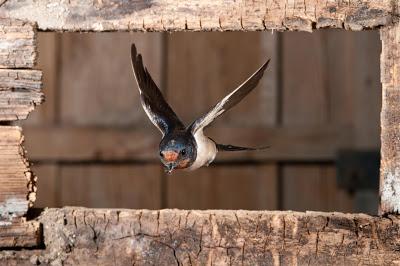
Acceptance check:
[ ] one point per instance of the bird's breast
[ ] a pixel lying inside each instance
(206, 150)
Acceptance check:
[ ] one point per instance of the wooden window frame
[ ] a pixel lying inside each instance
(105, 236)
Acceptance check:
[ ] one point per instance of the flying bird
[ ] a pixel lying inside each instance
(186, 147)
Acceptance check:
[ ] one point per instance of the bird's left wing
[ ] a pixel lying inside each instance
(229, 101)
(153, 102)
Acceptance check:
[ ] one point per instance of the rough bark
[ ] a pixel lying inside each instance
(19, 234)
(390, 120)
(173, 15)
(78, 236)
(17, 44)
(18, 185)
(20, 92)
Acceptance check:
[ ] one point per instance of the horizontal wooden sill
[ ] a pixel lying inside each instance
(219, 237)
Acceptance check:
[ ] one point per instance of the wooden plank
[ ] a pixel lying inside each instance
(111, 186)
(307, 101)
(20, 234)
(19, 93)
(17, 44)
(354, 84)
(203, 68)
(390, 119)
(218, 187)
(173, 15)
(313, 187)
(18, 188)
(103, 91)
(48, 185)
(142, 237)
(92, 143)
(49, 48)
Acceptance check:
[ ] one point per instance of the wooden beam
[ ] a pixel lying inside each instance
(20, 234)
(390, 120)
(143, 237)
(220, 15)
(17, 44)
(20, 92)
(17, 190)
(91, 143)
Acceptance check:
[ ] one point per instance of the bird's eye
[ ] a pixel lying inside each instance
(161, 154)
(183, 152)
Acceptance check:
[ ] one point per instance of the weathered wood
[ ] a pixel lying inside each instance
(93, 143)
(20, 92)
(110, 186)
(19, 234)
(49, 62)
(390, 120)
(78, 236)
(105, 71)
(219, 187)
(18, 185)
(173, 15)
(314, 187)
(17, 44)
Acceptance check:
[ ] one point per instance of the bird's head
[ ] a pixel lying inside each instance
(178, 150)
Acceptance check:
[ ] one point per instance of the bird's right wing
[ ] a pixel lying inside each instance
(229, 101)
(153, 102)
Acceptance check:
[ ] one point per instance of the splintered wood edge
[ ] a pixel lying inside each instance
(20, 93)
(390, 120)
(20, 234)
(220, 237)
(17, 43)
(18, 189)
(211, 15)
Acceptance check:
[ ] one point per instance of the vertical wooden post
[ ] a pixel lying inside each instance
(390, 120)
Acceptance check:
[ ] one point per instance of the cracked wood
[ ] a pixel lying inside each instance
(17, 44)
(18, 185)
(143, 237)
(390, 120)
(20, 92)
(19, 234)
(220, 15)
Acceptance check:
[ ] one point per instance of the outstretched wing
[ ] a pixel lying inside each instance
(153, 102)
(223, 147)
(229, 101)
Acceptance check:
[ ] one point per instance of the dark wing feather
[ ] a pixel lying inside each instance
(223, 147)
(229, 101)
(153, 102)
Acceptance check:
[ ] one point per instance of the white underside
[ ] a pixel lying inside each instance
(206, 150)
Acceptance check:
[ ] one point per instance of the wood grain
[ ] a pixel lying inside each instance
(244, 186)
(17, 44)
(314, 187)
(169, 237)
(390, 119)
(111, 186)
(49, 62)
(20, 92)
(20, 234)
(205, 67)
(219, 15)
(76, 144)
(97, 85)
(18, 185)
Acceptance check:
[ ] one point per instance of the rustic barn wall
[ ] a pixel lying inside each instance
(92, 144)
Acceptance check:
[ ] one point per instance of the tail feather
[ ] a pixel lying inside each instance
(223, 147)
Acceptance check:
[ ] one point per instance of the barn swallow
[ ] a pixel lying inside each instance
(186, 147)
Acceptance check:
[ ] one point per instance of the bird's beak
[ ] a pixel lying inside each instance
(169, 167)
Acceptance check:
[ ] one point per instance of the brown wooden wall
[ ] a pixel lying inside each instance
(92, 144)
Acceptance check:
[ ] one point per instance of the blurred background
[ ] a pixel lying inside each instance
(317, 106)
